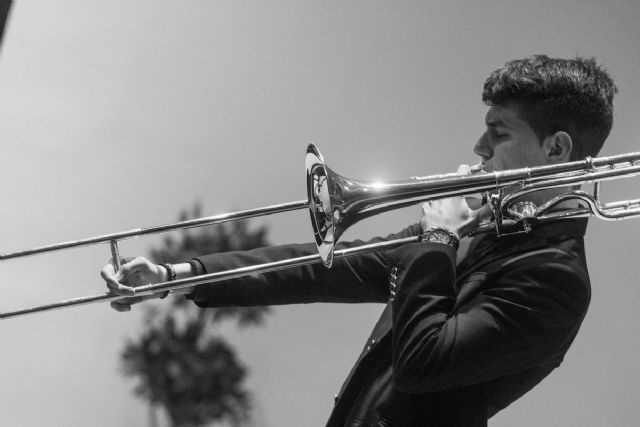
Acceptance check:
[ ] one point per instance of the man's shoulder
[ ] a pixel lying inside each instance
(559, 245)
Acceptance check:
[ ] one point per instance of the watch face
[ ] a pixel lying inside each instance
(438, 236)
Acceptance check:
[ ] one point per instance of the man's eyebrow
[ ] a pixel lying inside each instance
(496, 123)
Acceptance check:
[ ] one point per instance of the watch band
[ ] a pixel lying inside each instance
(441, 235)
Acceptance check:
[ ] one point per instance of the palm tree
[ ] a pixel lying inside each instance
(179, 360)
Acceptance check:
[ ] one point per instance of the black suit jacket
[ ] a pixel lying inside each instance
(454, 345)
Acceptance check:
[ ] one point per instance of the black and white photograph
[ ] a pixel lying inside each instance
(285, 213)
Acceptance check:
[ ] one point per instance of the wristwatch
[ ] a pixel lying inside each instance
(441, 235)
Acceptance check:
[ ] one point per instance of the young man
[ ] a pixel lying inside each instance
(454, 344)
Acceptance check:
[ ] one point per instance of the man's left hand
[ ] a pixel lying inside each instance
(454, 214)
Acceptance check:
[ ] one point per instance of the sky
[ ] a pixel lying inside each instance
(118, 114)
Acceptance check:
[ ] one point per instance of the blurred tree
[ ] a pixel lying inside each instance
(180, 361)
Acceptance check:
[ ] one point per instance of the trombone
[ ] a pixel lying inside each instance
(335, 203)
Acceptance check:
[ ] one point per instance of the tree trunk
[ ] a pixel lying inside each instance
(153, 415)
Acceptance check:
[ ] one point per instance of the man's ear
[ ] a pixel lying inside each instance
(558, 147)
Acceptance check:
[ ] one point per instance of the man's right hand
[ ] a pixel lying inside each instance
(136, 272)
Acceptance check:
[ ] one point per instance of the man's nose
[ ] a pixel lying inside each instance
(482, 148)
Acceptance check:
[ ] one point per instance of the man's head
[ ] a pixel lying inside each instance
(569, 101)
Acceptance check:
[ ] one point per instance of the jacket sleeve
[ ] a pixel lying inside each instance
(361, 278)
(525, 317)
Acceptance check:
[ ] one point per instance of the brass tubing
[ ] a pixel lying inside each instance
(214, 277)
(137, 232)
(336, 202)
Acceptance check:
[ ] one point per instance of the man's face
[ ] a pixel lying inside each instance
(508, 142)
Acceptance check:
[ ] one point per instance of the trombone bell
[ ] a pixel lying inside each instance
(319, 178)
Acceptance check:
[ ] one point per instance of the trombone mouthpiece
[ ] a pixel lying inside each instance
(479, 168)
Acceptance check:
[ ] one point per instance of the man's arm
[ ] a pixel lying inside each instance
(361, 278)
(524, 318)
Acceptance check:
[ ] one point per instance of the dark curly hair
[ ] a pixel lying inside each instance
(554, 94)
